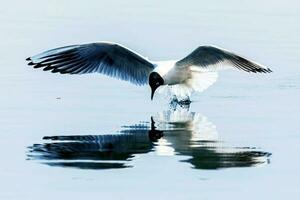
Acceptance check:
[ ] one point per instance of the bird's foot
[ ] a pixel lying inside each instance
(184, 103)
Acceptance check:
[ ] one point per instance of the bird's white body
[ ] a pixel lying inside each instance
(182, 82)
(170, 74)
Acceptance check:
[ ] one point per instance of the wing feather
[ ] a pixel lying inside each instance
(107, 58)
(209, 58)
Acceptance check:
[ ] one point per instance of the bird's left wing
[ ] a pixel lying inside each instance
(211, 59)
(107, 58)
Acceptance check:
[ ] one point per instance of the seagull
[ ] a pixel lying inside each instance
(194, 73)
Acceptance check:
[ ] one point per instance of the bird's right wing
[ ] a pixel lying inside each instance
(211, 59)
(107, 58)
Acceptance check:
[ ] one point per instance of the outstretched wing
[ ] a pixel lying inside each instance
(209, 58)
(107, 58)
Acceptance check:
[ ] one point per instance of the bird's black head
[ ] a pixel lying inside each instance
(155, 80)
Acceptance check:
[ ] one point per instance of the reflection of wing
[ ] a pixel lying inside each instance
(93, 151)
(203, 157)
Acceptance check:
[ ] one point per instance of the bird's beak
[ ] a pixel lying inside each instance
(152, 92)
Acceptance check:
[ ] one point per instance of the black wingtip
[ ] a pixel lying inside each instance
(28, 59)
(48, 68)
(50, 138)
(31, 63)
(267, 70)
(38, 65)
(261, 70)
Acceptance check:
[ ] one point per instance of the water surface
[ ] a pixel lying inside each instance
(91, 136)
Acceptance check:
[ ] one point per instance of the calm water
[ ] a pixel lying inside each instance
(91, 136)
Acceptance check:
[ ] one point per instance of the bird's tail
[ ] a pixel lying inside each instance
(200, 81)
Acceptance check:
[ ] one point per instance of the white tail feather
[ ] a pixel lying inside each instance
(200, 81)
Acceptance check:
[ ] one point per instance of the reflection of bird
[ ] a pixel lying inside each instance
(178, 132)
(195, 72)
(192, 134)
(201, 127)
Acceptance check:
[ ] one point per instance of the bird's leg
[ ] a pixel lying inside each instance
(173, 103)
(185, 103)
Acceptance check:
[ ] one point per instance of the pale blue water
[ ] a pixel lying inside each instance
(239, 139)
